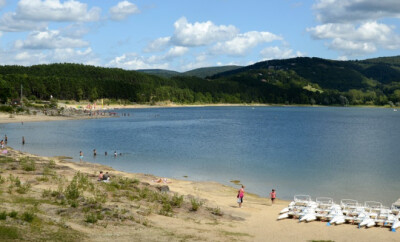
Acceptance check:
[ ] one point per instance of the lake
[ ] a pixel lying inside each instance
(320, 151)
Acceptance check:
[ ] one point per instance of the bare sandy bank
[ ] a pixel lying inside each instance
(255, 221)
(18, 118)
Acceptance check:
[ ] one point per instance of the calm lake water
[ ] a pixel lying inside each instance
(335, 152)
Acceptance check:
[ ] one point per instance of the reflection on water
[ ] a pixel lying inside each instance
(336, 152)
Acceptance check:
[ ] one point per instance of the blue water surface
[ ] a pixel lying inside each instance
(320, 151)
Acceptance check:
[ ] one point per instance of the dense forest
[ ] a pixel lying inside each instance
(300, 80)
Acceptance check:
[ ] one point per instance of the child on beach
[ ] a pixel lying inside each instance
(273, 196)
(240, 196)
(80, 155)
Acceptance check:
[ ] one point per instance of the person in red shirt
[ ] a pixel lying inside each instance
(240, 196)
(273, 196)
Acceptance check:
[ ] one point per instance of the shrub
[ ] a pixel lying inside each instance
(24, 188)
(13, 214)
(8, 233)
(2, 180)
(27, 164)
(72, 191)
(3, 215)
(8, 109)
(166, 210)
(216, 211)
(91, 218)
(176, 200)
(28, 216)
(196, 204)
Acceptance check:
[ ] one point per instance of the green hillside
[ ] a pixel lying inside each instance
(199, 72)
(160, 72)
(209, 71)
(291, 81)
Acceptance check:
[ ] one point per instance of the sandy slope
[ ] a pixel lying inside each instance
(255, 221)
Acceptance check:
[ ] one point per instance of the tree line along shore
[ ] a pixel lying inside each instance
(305, 81)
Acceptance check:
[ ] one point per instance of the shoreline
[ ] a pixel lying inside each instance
(255, 221)
(16, 118)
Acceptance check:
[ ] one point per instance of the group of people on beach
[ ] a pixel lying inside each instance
(240, 196)
(104, 177)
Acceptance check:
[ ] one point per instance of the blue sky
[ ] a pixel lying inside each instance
(186, 34)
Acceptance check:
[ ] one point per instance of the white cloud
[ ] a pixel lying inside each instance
(133, 61)
(2, 3)
(34, 57)
(342, 11)
(54, 10)
(201, 33)
(176, 51)
(122, 10)
(50, 39)
(10, 23)
(158, 45)
(76, 30)
(353, 40)
(242, 43)
(275, 52)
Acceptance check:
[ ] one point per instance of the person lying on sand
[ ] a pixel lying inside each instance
(162, 180)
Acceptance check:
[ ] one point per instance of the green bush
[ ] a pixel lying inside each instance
(28, 164)
(72, 191)
(3, 215)
(216, 211)
(196, 204)
(13, 214)
(7, 109)
(166, 209)
(9, 233)
(176, 200)
(28, 216)
(24, 188)
(91, 218)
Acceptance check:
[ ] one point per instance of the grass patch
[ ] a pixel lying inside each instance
(216, 211)
(176, 200)
(196, 204)
(6, 159)
(93, 217)
(9, 233)
(228, 233)
(28, 216)
(28, 164)
(3, 215)
(13, 214)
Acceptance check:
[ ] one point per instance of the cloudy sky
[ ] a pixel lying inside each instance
(186, 34)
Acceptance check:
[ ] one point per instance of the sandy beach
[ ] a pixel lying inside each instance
(218, 218)
(255, 221)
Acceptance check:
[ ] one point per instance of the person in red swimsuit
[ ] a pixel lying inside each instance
(273, 196)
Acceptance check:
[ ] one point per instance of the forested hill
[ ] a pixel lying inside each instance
(329, 74)
(291, 81)
(199, 72)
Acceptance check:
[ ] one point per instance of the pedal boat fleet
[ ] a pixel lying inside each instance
(367, 214)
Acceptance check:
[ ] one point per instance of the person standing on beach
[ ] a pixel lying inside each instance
(80, 155)
(273, 196)
(240, 196)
